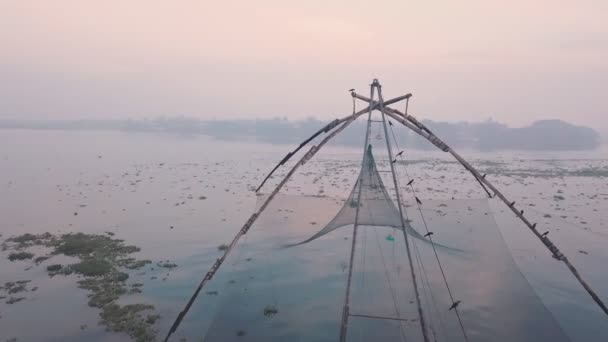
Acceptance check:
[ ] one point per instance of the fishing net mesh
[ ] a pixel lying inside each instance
(286, 279)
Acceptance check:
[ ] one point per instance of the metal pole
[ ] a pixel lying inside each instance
(398, 196)
(345, 309)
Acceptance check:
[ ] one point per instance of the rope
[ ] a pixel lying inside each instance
(454, 303)
(426, 281)
(428, 291)
(426, 284)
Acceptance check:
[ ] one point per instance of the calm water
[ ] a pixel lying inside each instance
(147, 188)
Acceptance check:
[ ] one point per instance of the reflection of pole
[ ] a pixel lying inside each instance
(313, 150)
(345, 309)
(418, 127)
(398, 196)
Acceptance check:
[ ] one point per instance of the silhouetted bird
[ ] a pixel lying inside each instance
(455, 305)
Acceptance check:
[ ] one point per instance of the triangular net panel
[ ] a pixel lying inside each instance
(369, 204)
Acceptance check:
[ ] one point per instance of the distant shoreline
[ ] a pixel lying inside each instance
(545, 135)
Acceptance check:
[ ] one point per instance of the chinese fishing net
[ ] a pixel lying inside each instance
(286, 279)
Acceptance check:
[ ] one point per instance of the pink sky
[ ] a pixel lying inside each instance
(516, 61)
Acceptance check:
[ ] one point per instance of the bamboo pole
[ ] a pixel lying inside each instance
(218, 263)
(401, 216)
(346, 307)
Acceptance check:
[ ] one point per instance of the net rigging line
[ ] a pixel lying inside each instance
(390, 286)
(426, 284)
(426, 288)
(430, 237)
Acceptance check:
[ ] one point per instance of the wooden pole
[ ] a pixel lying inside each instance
(218, 263)
(346, 308)
(401, 216)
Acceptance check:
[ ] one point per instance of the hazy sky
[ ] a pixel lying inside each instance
(515, 61)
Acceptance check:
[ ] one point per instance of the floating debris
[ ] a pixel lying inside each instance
(270, 311)
(54, 268)
(166, 264)
(222, 247)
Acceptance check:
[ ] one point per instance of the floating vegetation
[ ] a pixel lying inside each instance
(222, 247)
(270, 311)
(101, 260)
(166, 264)
(13, 287)
(20, 256)
(132, 319)
(14, 300)
(54, 268)
(40, 259)
(594, 172)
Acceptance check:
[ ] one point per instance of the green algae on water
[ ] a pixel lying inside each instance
(102, 262)
(20, 256)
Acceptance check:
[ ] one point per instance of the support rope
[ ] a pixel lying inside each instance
(454, 303)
